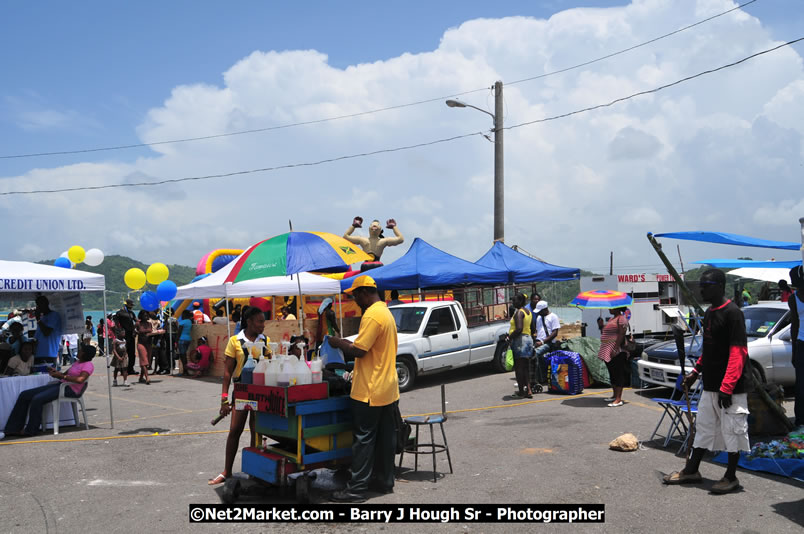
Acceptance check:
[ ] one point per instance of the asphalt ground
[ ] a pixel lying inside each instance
(143, 474)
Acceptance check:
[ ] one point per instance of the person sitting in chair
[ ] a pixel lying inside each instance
(30, 402)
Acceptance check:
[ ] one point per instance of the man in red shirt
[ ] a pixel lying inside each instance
(722, 421)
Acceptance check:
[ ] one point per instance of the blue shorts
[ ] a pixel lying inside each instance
(522, 346)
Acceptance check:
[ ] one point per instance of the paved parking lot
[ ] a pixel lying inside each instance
(142, 474)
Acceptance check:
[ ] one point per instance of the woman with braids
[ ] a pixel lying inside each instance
(253, 321)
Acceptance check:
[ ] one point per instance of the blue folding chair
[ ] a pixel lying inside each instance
(674, 408)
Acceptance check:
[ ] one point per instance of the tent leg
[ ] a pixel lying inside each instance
(107, 346)
(301, 314)
(340, 312)
(228, 321)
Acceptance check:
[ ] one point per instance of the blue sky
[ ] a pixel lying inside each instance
(87, 74)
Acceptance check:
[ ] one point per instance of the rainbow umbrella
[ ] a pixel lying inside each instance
(295, 252)
(602, 299)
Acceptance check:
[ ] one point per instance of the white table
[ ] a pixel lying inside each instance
(10, 389)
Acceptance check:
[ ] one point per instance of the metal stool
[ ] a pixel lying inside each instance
(433, 448)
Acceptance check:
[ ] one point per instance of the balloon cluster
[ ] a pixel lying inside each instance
(157, 275)
(76, 254)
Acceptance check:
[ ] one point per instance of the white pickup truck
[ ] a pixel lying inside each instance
(434, 336)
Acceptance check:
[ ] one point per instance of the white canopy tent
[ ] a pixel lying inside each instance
(766, 274)
(214, 286)
(21, 277)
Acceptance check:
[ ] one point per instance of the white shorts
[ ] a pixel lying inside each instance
(717, 429)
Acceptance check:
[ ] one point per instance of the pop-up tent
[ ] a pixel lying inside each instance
(425, 266)
(21, 278)
(523, 269)
(215, 286)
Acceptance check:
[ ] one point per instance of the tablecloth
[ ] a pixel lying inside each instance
(10, 389)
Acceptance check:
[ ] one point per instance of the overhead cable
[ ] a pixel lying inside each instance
(367, 112)
(401, 148)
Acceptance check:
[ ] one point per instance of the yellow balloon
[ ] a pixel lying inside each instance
(157, 273)
(134, 278)
(76, 254)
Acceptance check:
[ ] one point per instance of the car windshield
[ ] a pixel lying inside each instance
(407, 319)
(760, 321)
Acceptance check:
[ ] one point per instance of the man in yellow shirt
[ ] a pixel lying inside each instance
(375, 390)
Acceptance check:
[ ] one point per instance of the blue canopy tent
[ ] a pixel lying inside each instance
(731, 239)
(424, 266)
(522, 269)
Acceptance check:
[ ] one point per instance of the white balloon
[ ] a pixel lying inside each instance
(64, 255)
(94, 257)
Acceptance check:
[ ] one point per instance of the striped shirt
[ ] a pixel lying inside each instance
(609, 348)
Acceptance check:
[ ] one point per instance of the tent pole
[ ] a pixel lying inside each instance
(170, 338)
(301, 299)
(340, 310)
(107, 346)
(228, 321)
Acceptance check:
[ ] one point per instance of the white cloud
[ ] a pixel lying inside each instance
(780, 214)
(698, 155)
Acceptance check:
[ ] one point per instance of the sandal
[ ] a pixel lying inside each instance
(220, 479)
(615, 404)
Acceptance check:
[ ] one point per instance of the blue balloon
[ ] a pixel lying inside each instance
(149, 301)
(166, 291)
(63, 262)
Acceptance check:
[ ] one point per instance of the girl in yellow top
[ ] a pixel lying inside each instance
(521, 344)
(254, 322)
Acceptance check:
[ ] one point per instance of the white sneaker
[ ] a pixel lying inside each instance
(126, 384)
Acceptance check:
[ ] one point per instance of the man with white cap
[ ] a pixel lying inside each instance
(544, 329)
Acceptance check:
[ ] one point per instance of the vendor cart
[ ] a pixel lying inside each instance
(311, 431)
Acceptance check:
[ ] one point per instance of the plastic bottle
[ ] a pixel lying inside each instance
(285, 347)
(259, 372)
(272, 371)
(305, 375)
(315, 369)
(247, 374)
(283, 377)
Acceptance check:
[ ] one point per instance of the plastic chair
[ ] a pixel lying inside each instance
(674, 408)
(433, 448)
(56, 405)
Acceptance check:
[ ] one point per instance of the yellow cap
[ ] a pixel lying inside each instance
(362, 281)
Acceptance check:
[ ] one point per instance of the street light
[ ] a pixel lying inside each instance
(499, 189)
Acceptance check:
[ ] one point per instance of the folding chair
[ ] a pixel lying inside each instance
(674, 408)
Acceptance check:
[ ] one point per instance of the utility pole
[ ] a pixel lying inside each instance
(499, 187)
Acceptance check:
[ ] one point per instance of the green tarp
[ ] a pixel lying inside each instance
(588, 347)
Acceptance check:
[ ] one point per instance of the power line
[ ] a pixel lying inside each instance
(368, 112)
(400, 148)
(655, 90)
(623, 51)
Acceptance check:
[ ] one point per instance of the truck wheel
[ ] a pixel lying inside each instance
(498, 362)
(405, 372)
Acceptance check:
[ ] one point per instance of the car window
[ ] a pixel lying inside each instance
(759, 321)
(441, 319)
(407, 319)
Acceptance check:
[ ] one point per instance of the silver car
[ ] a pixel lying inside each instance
(770, 350)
